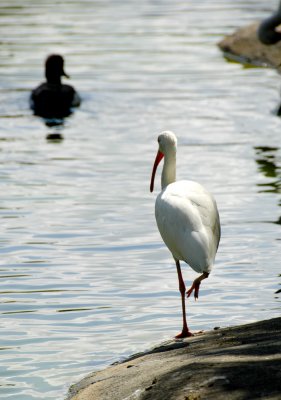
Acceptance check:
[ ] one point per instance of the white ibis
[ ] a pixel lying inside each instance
(187, 219)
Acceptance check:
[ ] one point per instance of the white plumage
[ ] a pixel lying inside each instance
(187, 219)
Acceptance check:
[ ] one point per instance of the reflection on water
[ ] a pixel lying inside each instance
(54, 137)
(269, 163)
(85, 277)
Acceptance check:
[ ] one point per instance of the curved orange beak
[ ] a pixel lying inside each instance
(158, 158)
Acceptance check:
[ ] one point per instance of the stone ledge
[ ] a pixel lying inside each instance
(244, 46)
(236, 363)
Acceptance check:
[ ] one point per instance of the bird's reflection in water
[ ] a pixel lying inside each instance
(54, 137)
(269, 163)
(51, 122)
(57, 124)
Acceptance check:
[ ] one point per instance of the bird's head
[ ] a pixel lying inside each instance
(167, 144)
(54, 68)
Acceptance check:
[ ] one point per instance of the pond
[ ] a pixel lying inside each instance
(85, 276)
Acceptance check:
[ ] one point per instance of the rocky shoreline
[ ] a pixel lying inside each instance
(236, 363)
(244, 46)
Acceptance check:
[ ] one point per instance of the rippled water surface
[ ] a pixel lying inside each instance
(85, 277)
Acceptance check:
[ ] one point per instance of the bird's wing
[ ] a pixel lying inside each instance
(207, 208)
(187, 219)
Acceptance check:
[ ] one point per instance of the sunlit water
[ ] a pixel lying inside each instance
(85, 277)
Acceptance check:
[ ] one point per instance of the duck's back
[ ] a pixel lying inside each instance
(53, 100)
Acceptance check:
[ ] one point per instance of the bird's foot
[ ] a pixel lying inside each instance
(195, 286)
(184, 333)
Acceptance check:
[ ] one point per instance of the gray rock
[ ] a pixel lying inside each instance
(237, 363)
(244, 46)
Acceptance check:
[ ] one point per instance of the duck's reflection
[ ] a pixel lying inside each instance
(269, 164)
(54, 137)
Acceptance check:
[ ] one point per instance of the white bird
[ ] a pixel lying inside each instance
(188, 220)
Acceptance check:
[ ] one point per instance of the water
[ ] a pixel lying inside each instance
(85, 277)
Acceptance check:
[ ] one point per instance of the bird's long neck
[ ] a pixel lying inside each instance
(169, 170)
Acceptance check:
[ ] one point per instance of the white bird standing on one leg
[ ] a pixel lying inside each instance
(187, 219)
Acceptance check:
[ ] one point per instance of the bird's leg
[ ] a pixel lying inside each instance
(196, 284)
(185, 331)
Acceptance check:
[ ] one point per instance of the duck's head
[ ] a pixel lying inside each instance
(54, 68)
